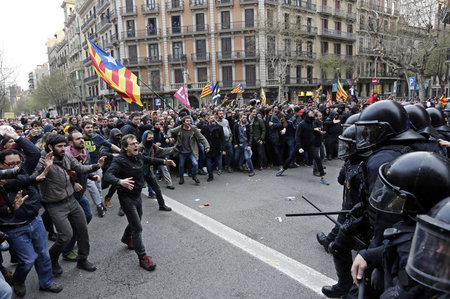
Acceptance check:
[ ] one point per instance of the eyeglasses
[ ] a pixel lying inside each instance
(12, 164)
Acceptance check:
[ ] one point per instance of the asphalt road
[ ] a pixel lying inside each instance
(240, 246)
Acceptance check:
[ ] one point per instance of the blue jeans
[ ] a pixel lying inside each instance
(29, 242)
(212, 162)
(229, 155)
(290, 144)
(182, 159)
(5, 289)
(241, 154)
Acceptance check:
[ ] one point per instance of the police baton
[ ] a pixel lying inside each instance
(319, 213)
(362, 286)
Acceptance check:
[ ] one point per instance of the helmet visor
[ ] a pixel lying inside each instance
(346, 148)
(385, 199)
(429, 258)
(369, 134)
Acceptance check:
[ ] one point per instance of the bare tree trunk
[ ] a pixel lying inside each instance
(422, 91)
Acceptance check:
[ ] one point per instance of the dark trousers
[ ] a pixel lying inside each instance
(313, 154)
(260, 156)
(132, 207)
(152, 183)
(66, 216)
(273, 150)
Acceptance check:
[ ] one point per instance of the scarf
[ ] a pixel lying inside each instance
(75, 153)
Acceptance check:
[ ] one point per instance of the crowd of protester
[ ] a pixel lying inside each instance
(61, 159)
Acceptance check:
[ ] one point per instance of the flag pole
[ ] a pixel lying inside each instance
(156, 94)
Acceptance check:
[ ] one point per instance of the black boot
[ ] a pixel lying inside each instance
(323, 240)
(196, 180)
(181, 182)
(342, 259)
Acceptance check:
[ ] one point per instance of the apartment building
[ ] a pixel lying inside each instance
(39, 72)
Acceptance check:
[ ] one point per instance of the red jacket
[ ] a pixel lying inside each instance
(372, 100)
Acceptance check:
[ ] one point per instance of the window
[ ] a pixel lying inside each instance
(349, 50)
(298, 73)
(324, 47)
(200, 49)
(270, 72)
(151, 26)
(324, 2)
(324, 23)
(227, 76)
(200, 22)
(271, 45)
(250, 75)
(349, 8)
(309, 74)
(132, 54)
(337, 26)
(337, 4)
(176, 25)
(299, 22)
(178, 75)
(349, 28)
(250, 46)
(337, 49)
(225, 19)
(298, 48)
(226, 47)
(153, 52)
(177, 50)
(202, 74)
(286, 21)
(155, 79)
(249, 18)
(287, 47)
(309, 48)
(129, 6)
(269, 18)
(130, 28)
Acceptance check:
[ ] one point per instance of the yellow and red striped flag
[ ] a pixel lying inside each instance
(443, 101)
(263, 97)
(329, 98)
(208, 89)
(121, 79)
(341, 95)
(238, 89)
(317, 93)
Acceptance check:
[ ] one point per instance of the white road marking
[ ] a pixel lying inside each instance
(305, 275)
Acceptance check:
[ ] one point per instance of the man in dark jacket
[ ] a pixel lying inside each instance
(213, 132)
(115, 136)
(305, 138)
(243, 136)
(23, 224)
(259, 137)
(333, 128)
(274, 126)
(132, 126)
(126, 172)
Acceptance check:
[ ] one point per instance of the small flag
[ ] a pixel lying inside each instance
(208, 89)
(216, 94)
(341, 95)
(182, 96)
(317, 93)
(238, 89)
(121, 79)
(329, 98)
(443, 101)
(108, 105)
(263, 97)
(224, 100)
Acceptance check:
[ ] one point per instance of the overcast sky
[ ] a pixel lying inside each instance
(25, 26)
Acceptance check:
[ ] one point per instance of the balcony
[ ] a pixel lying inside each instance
(101, 5)
(104, 24)
(338, 34)
(271, 2)
(234, 26)
(198, 4)
(91, 79)
(339, 13)
(338, 56)
(306, 5)
(373, 6)
(129, 11)
(200, 57)
(149, 9)
(224, 3)
(153, 60)
(88, 22)
(134, 61)
(351, 16)
(293, 55)
(175, 5)
(247, 2)
(179, 58)
(87, 61)
(191, 29)
(141, 34)
(326, 10)
(304, 29)
(237, 55)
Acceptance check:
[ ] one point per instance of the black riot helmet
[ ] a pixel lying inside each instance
(406, 104)
(420, 121)
(411, 184)
(438, 119)
(381, 121)
(421, 105)
(347, 144)
(429, 257)
(351, 120)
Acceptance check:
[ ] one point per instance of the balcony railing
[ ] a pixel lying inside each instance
(198, 4)
(303, 29)
(243, 2)
(300, 4)
(148, 33)
(129, 10)
(234, 55)
(291, 54)
(339, 13)
(88, 22)
(338, 34)
(151, 8)
(105, 22)
(351, 16)
(338, 56)
(175, 5)
(176, 58)
(224, 3)
(101, 5)
(326, 10)
(197, 57)
(233, 26)
(91, 78)
(202, 28)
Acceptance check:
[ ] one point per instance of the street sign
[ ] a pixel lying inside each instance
(158, 102)
(334, 88)
(375, 81)
(411, 82)
(395, 88)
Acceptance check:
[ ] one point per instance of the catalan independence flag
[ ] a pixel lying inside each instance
(121, 79)
(443, 101)
(263, 97)
(208, 89)
(341, 95)
(317, 93)
(238, 89)
(329, 98)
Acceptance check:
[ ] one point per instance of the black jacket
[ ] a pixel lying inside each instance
(248, 131)
(273, 131)
(305, 136)
(216, 139)
(123, 167)
(131, 128)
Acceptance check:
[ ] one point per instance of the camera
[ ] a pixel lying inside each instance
(9, 173)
